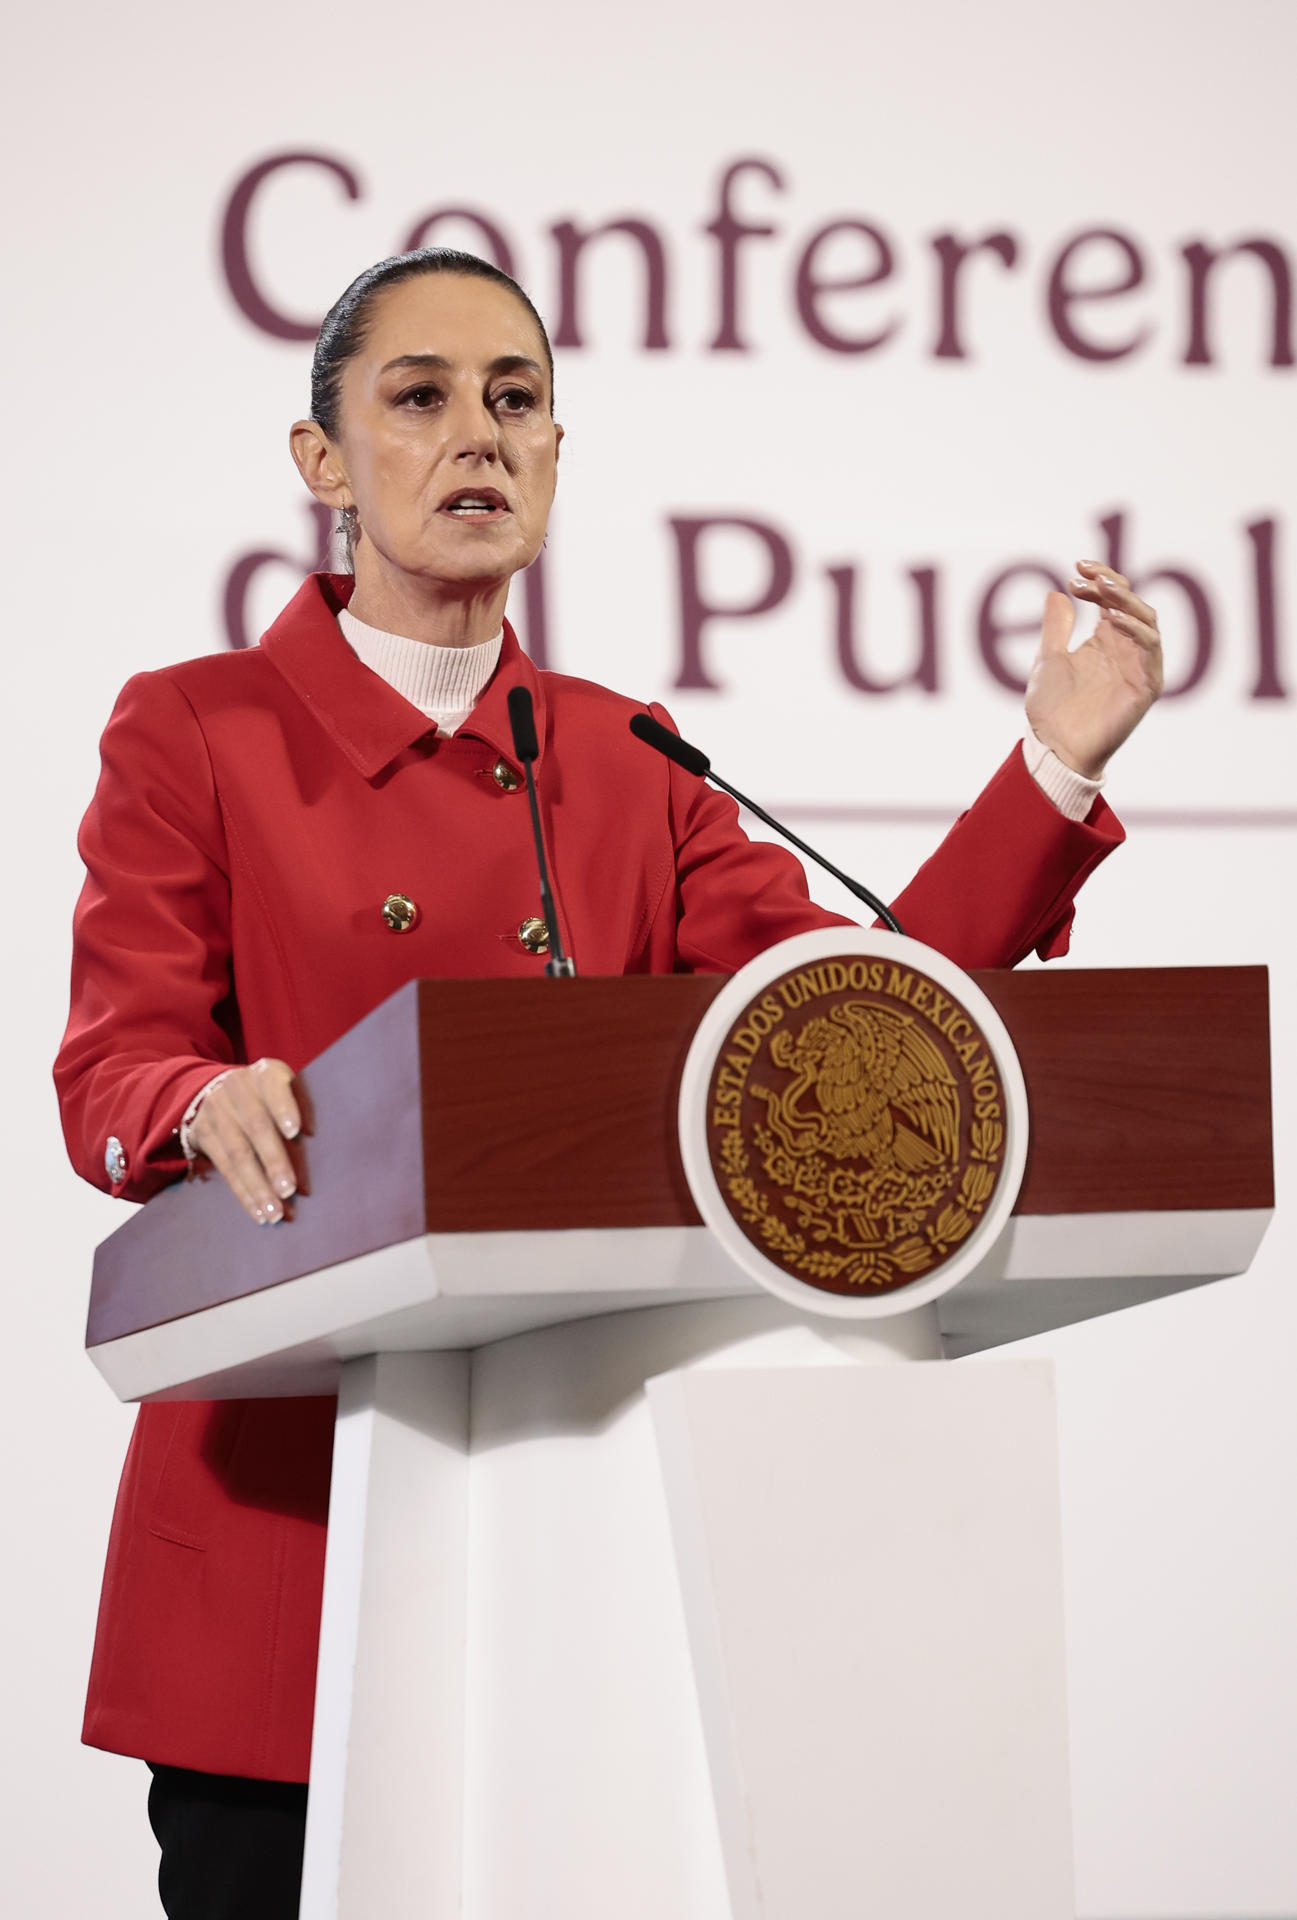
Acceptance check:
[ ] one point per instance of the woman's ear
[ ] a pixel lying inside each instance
(319, 462)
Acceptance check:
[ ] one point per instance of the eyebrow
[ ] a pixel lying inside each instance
(503, 363)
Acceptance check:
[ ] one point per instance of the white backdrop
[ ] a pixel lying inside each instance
(145, 439)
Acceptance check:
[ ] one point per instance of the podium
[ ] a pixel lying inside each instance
(645, 1592)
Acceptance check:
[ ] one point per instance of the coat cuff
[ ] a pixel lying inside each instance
(139, 1152)
(1089, 841)
(1071, 792)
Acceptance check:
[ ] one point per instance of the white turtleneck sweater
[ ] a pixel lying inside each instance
(446, 683)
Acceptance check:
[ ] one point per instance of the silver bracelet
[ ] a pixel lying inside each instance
(191, 1114)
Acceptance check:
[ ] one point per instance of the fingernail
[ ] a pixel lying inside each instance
(284, 1186)
(259, 1216)
(274, 1211)
(289, 1129)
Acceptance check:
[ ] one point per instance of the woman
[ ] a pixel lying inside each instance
(257, 817)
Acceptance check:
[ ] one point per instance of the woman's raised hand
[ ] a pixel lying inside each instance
(1083, 702)
(241, 1128)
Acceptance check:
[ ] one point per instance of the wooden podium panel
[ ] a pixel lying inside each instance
(1149, 1087)
(457, 1106)
(520, 1138)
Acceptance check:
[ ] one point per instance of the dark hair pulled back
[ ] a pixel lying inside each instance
(347, 321)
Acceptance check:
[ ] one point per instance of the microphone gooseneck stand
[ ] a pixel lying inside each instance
(693, 760)
(522, 724)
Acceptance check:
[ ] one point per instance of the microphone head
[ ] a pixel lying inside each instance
(654, 734)
(522, 724)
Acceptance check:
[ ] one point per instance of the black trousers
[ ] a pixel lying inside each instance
(231, 1848)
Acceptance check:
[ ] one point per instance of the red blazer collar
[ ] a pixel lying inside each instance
(365, 718)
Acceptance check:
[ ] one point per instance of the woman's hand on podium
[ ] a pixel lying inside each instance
(1082, 702)
(241, 1128)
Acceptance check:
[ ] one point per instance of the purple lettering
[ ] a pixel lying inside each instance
(1267, 685)
(234, 600)
(952, 254)
(1064, 296)
(247, 295)
(571, 240)
(923, 674)
(729, 233)
(812, 288)
(1200, 260)
(696, 609)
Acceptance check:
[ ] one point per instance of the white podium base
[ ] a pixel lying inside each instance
(764, 1641)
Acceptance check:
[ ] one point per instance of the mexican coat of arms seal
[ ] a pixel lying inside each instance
(856, 1118)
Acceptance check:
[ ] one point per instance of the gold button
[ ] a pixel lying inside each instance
(534, 935)
(508, 778)
(400, 912)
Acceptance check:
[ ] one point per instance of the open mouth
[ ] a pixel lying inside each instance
(475, 503)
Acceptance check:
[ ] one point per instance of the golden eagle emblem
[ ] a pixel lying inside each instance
(853, 1154)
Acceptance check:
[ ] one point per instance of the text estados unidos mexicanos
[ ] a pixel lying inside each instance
(729, 1081)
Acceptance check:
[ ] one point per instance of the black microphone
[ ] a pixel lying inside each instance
(522, 724)
(693, 760)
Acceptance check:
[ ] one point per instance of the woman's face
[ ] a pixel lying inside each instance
(449, 447)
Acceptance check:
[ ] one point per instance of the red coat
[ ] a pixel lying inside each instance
(253, 812)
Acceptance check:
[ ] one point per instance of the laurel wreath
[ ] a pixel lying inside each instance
(858, 1266)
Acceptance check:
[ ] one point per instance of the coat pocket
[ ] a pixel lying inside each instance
(193, 1442)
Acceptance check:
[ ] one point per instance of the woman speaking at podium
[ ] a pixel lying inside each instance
(281, 838)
